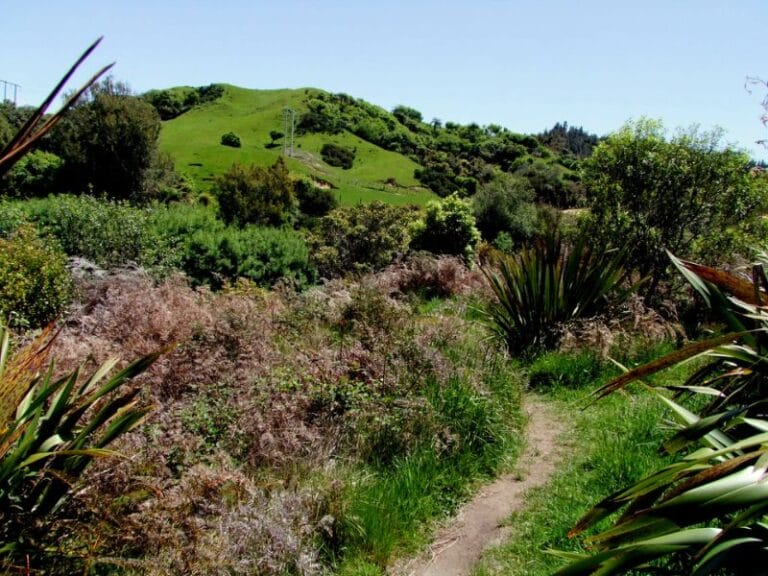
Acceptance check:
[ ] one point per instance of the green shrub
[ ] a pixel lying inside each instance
(548, 284)
(336, 155)
(110, 233)
(36, 174)
(230, 139)
(505, 205)
(360, 238)
(12, 216)
(448, 227)
(34, 282)
(256, 195)
(314, 201)
(263, 255)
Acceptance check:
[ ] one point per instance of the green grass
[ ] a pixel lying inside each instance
(193, 140)
(609, 444)
(392, 507)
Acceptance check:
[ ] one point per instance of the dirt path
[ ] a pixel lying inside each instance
(459, 545)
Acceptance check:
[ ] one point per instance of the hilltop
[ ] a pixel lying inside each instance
(397, 156)
(193, 139)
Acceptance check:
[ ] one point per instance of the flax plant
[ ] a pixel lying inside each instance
(707, 513)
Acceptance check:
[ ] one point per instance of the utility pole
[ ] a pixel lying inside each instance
(289, 127)
(14, 87)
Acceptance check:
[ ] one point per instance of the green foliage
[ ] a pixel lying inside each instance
(108, 142)
(546, 285)
(336, 155)
(230, 139)
(552, 184)
(34, 281)
(176, 101)
(658, 194)
(263, 255)
(50, 431)
(314, 201)
(275, 135)
(706, 512)
(109, 233)
(256, 195)
(361, 238)
(505, 204)
(37, 174)
(448, 227)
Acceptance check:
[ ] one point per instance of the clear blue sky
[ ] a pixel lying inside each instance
(522, 64)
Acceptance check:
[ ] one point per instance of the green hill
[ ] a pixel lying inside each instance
(193, 139)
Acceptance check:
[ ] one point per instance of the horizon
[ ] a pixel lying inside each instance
(523, 65)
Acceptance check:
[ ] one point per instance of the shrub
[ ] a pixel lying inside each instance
(256, 195)
(230, 139)
(34, 281)
(337, 155)
(263, 255)
(313, 200)
(50, 431)
(360, 238)
(546, 285)
(110, 233)
(37, 174)
(448, 227)
(505, 205)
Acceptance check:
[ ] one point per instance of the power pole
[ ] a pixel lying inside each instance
(289, 127)
(14, 87)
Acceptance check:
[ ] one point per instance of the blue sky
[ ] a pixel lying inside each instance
(522, 64)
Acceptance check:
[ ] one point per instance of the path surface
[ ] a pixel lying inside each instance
(478, 524)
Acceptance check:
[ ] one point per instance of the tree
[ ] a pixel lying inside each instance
(256, 195)
(652, 193)
(108, 141)
(505, 205)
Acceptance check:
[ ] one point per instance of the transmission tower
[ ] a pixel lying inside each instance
(12, 86)
(289, 127)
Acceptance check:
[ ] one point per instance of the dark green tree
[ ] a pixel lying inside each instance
(108, 141)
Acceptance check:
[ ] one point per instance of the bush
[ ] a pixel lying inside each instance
(263, 255)
(448, 227)
(34, 282)
(548, 284)
(360, 238)
(36, 174)
(314, 201)
(230, 139)
(109, 233)
(336, 155)
(256, 195)
(505, 205)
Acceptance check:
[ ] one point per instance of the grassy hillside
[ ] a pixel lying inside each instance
(193, 140)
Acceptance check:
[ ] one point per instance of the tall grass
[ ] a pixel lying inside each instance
(390, 508)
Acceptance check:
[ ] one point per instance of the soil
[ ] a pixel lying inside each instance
(479, 523)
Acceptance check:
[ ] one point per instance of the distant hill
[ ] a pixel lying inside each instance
(193, 139)
(398, 156)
